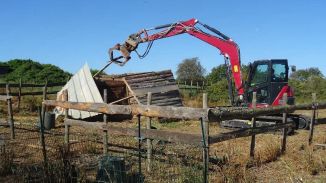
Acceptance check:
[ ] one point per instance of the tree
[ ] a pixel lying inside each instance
(31, 71)
(305, 74)
(190, 70)
(218, 73)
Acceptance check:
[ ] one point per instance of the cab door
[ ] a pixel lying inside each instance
(260, 82)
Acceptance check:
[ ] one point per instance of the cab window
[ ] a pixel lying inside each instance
(279, 73)
(260, 74)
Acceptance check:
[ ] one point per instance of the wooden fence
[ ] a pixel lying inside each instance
(204, 115)
(19, 92)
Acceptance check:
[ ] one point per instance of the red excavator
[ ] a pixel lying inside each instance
(268, 78)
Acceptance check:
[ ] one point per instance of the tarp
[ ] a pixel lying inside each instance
(81, 88)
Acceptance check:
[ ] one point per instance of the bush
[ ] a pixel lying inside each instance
(218, 92)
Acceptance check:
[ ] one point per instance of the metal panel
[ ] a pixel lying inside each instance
(81, 88)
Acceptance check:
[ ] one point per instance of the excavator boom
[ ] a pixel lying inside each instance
(228, 48)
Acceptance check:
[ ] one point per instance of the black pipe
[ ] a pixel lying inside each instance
(215, 31)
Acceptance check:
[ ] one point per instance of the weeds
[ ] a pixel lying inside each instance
(6, 162)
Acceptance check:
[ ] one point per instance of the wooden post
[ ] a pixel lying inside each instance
(105, 119)
(253, 125)
(19, 93)
(10, 113)
(190, 87)
(139, 149)
(284, 120)
(203, 85)
(313, 118)
(206, 149)
(45, 88)
(197, 88)
(149, 141)
(66, 139)
(42, 138)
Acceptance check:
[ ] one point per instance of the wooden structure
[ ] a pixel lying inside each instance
(132, 88)
(81, 88)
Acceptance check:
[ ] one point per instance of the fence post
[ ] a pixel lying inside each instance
(66, 138)
(105, 119)
(10, 113)
(191, 88)
(42, 138)
(149, 141)
(197, 88)
(19, 93)
(253, 125)
(203, 85)
(206, 147)
(139, 150)
(313, 118)
(284, 120)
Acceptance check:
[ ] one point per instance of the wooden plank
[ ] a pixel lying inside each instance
(148, 111)
(247, 132)
(81, 88)
(178, 112)
(157, 89)
(4, 97)
(130, 91)
(224, 113)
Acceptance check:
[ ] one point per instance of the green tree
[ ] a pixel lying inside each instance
(305, 74)
(31, 71)
(218, 92)
(218, 73)
(190, 70)
(307, 81)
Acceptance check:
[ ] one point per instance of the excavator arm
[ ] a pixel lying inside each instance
(229, 49)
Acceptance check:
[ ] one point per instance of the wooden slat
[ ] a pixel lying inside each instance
(4, 97)
(247, 132)
(157, 89)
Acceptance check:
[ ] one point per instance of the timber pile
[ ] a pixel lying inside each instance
(162, 85)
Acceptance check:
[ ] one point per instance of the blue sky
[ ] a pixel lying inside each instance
(69, 33)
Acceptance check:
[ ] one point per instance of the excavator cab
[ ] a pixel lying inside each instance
(269, 79)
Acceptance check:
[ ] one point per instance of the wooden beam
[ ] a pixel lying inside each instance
(148, 111)
(4, 97)
(126, 98)
(247, 132)
(225, 113)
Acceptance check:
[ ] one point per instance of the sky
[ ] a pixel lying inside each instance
(70, 33)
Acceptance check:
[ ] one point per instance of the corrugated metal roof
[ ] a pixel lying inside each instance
(81, 88)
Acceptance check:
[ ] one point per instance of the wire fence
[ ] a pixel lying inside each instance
(84, 161)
